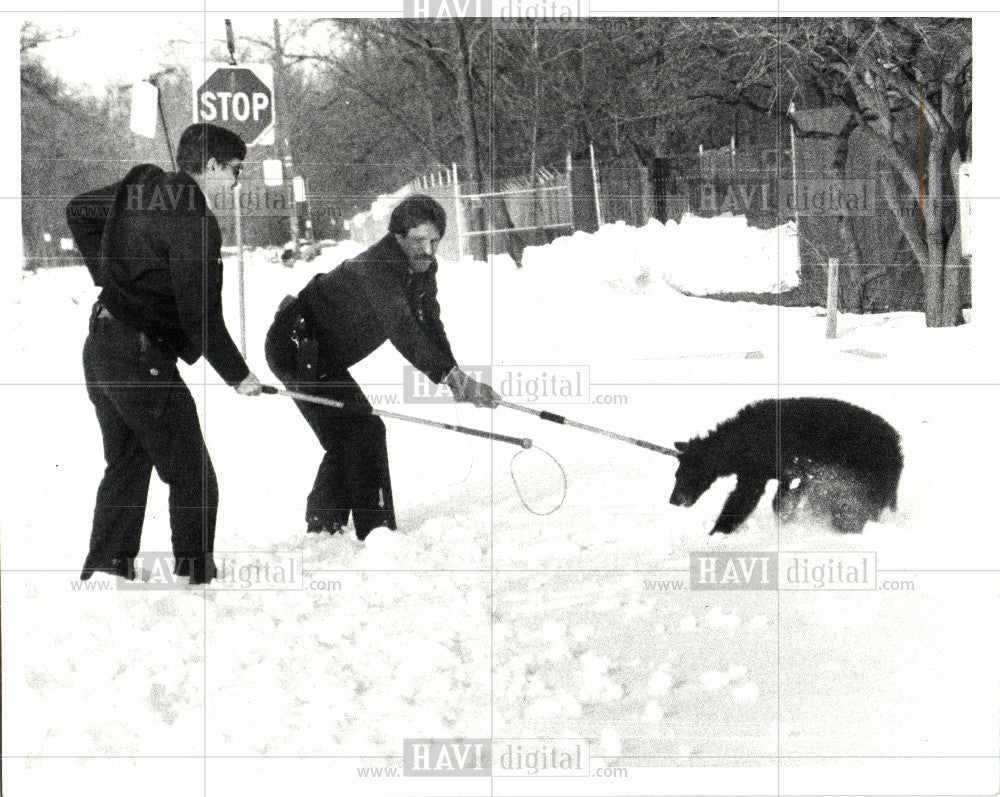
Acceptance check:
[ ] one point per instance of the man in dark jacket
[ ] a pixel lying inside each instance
(388, 292)
(153, 247)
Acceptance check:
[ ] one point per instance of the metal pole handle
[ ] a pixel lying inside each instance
(523, 442)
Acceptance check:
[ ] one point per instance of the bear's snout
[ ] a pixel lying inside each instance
(679, 498)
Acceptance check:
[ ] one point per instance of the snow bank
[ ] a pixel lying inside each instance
(698, 256)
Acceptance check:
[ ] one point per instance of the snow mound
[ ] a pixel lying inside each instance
(698, 256)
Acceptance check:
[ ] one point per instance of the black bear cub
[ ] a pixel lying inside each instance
(838, 462)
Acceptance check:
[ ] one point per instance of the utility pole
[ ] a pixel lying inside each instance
(281, 132)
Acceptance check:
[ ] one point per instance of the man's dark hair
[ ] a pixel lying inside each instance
(414, 211)
(202, 141)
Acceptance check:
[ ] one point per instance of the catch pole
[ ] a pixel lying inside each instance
(560, 419)
(523, 442)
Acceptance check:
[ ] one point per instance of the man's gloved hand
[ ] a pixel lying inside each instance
(465, 388)
(250, 386)
(483, 395)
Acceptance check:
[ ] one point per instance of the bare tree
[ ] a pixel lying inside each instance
(896, 74)
(69, 143)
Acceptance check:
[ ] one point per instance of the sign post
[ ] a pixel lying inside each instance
(241, 99)
(239, 261)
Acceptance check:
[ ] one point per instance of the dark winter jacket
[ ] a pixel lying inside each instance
(153, 246)
(372, 298)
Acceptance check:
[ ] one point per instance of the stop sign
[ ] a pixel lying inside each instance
(239, 98)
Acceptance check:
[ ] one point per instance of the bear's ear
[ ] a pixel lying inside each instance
(682, 447)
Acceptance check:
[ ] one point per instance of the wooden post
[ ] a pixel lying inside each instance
(458, 209)
(832, 291)
(310, 235)
(293, 206)
(238, 227)
(569, 186)
(965, 207)
(701, 179)
(737, 183)
(597, 188)
(795, 188)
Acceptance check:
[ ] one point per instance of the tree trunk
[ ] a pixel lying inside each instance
(536, 107)
(941, 312)
(471, 160)
(951, 299)
(851, 298)
(954, 268)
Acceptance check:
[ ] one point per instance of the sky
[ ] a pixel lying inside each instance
(94, 57)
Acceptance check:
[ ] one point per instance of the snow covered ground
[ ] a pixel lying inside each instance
(480, 618)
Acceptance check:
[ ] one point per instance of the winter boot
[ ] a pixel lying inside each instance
(317, 525)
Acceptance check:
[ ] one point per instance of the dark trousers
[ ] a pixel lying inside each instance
(353, 477)
(148, 420)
